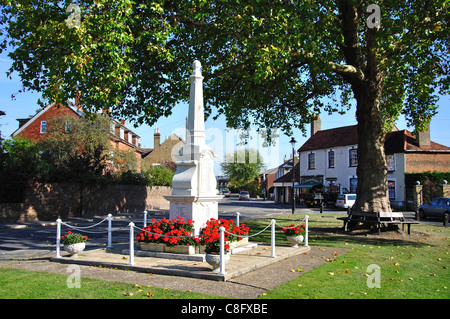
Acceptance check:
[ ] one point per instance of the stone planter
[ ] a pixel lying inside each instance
(240, 243)
(180, 249)
(75, 249)
(160, 247)
(151, 246)
(214, 260)
(295, 240)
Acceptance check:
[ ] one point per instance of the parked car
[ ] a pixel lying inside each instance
(226, 192)
(244, 195)
(345, 201)
(436, 208)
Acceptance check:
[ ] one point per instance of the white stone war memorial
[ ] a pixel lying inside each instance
(194, 192)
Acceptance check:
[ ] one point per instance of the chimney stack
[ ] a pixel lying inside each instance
(77, 99)
(316, 124)
(423, 138)
(157, 138)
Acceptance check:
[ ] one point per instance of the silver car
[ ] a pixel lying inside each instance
(436, 208)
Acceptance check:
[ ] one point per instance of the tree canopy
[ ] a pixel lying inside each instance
(270, 63)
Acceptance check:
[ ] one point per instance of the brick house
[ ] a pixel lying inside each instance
(36, 127)
(330, 157)
(266, 179)
(161, 152)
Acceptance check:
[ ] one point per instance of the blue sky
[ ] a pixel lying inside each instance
(25, 104)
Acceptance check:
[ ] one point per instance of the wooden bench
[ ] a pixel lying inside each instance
(388, 218)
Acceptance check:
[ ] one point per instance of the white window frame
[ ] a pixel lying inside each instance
(43, 128)
(350, 151)
(394, 189)
(390, 159)
(311, 167)
(334, 159)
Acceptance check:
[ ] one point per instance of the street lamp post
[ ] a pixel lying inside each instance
(293, 141)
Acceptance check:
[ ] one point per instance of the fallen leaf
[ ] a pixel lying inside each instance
(347, 271)
(128, 294)
(149, 294)
(292, 270)
(331, 273)
(396, 264)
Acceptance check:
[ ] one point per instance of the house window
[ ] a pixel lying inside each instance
(122, 133)
(43, 127)
(353, 155)
(68, 128)
(353, 185)
(331, 159)
(391, 187)
(112, 128)
(390, 161)
(311, 161)
(130, 138)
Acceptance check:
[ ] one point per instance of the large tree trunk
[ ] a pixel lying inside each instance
(372, 190)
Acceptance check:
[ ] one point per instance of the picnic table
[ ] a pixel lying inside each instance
(379, 219)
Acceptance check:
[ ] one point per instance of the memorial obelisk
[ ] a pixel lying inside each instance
(194, 191)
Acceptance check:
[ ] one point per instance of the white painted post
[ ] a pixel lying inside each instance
(237, 218)
(222, 251)
(131, 261)
(58, 237)
(145, 218)
(306, 231)
(272, 239)
(109, 232)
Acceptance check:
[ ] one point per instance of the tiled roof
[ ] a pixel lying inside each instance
(396, 141)
(341, 136)
(288, 176)
(405, 141)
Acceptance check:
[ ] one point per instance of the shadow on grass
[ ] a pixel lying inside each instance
(334, 236)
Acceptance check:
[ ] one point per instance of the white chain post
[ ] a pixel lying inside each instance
(237, 219)
(145, 218)
(306, 230)
(222, 251)
(109, 232)
(131, 261)
(272, 239)
(58, 237)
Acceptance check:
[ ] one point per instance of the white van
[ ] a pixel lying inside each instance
(345, 201)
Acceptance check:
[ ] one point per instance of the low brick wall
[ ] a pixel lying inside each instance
(50, 201)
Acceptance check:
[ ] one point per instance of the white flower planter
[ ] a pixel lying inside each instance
(75, 249)
(214, 260)
(295, 240)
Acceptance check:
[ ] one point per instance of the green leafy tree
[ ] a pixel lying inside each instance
(19, 164)
(269, 63)
(77, 149)
(242, 167)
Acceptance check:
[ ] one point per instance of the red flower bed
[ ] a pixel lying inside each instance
(176, 231)
(294, 230)
(210, 235)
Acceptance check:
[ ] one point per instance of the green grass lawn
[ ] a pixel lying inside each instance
(25, 284)
(413, 266)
